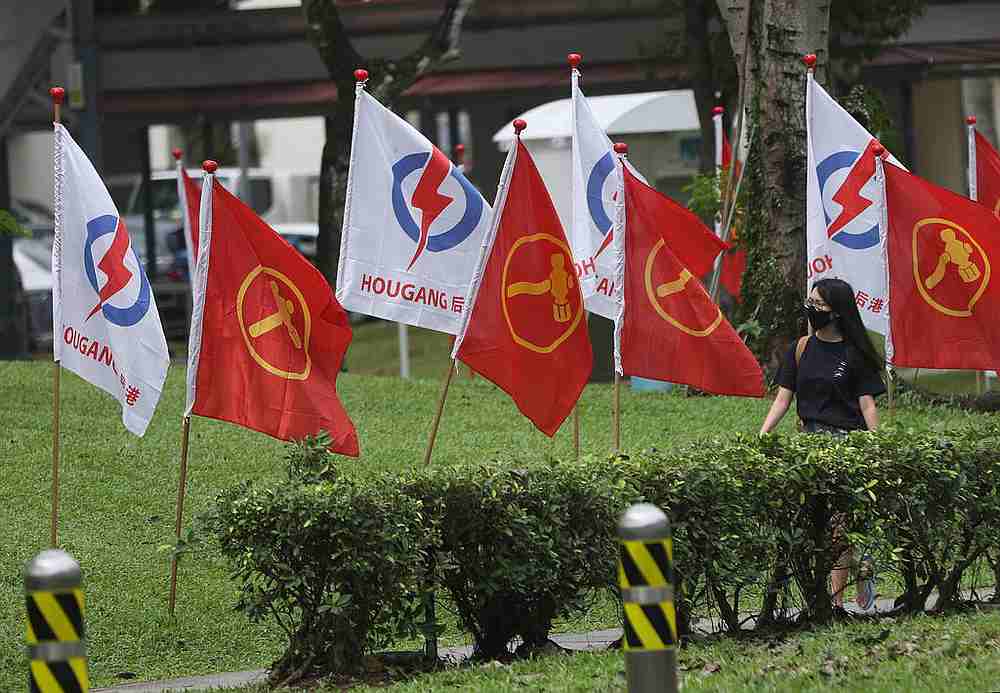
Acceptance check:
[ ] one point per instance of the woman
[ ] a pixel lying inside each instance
(835, 376)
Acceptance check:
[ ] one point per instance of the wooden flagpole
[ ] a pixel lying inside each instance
(181, 490)
(618, 413)
(58, 95)
(576, 430)
(440, 410)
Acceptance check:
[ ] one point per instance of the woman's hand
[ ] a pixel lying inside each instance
(778, 408)
(869, 411)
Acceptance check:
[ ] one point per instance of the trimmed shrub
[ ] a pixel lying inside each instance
(336, 563)
(343, 563)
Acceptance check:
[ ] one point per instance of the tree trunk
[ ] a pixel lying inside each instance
(773, 35)
(388, 79)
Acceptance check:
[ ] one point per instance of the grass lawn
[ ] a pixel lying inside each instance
(924, 654)
(118, 492)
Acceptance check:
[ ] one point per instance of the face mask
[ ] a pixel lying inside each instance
(818, 319)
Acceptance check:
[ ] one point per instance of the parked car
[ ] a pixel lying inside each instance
(278, 197)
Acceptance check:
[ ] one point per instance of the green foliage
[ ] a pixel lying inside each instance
(868, 107)
(9, 225)
(522, 545)
(339, 563)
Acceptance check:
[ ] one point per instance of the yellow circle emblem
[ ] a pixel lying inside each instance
(280, 288)
(542, 334)
(959, 271)
(672, 287)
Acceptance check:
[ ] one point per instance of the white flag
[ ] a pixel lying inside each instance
(844, 206)
(105, 324)
(413, 225)
(593, 193)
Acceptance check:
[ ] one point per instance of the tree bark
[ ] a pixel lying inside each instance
(773, 35)
(387, 80)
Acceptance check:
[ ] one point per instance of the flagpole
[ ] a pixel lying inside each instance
(970, 127)
(181, 489)
(879, 152)
(576, 430)
(618, 413)
(194, 347)
(621, 150)
(440, 410)
(723, 202)
(58, 94)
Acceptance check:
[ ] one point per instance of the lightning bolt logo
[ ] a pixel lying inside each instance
(848, 196)
(427, 199)
(113, 266)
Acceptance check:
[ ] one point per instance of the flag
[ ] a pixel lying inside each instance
(593, 191)
(843, 205)
(987, 173)
(189, 196)
(267, 335)
(669, 328)
(734, 260)
(413, 225)
(105, 324)
(526, 328)
(944, 297)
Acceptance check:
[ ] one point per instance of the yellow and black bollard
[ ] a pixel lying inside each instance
(56, 643)
(646, 576)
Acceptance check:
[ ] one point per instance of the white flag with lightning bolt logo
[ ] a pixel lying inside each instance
(106, 328)
(844, 234)
(413, 225)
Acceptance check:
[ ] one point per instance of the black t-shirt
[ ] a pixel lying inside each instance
(827, 383)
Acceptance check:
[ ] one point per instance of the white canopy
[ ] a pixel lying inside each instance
(619, 114)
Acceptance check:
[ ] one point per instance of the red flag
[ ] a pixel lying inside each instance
(670, 329)
(987, 174)
(943, 300)
(527, 330)
(192, 200)
(268, 336)
(734, 262)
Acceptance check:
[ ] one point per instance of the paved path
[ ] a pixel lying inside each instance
(594, 640)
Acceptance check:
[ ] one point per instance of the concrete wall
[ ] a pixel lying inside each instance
(939, 133)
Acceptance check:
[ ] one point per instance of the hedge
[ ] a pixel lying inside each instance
(343, 562)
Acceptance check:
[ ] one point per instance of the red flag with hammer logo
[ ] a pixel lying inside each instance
(670, 328)
(943, 295)
(267, 336)
(526, 328)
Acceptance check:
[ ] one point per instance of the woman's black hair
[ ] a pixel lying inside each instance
(839, 295)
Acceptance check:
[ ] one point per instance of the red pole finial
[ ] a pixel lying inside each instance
(810, 60)
(460, 153)
(209, 166)
(177, 153)
(878, 150)
(574, 60)
(621, 149)
(519, 125)
(718, 110)
(361, 75)
(58, 95)
(971, 120)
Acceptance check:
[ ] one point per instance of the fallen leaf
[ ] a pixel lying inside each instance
(711, 668)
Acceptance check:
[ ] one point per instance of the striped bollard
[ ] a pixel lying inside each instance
(56, 644)
(645, 576)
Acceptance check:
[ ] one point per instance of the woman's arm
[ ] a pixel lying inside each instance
(868, 410)
(778, 408)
